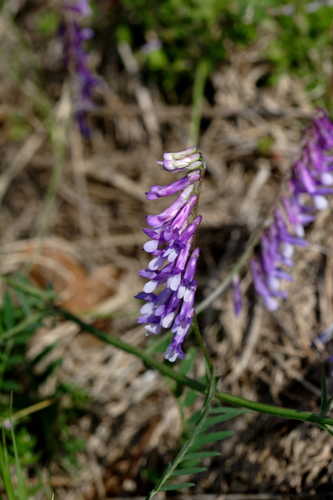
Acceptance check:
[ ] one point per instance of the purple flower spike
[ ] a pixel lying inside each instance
(306, 193)
(170, 290)
(74, 35)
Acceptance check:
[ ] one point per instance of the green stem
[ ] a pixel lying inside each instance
(201, 74)
(166, 370)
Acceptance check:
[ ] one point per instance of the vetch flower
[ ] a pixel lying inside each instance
(307, 191)
(74, 36)
(170, 290)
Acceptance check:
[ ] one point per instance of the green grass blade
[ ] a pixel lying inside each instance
(21, 486)
(5, 471)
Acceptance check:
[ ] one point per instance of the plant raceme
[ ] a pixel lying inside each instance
(74, 36)
(170, 290)
(309, 184)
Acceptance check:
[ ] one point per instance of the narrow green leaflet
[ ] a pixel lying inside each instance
(178, 486)
(189, 457)
(181, 455)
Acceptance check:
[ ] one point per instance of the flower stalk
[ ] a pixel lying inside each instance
(170, 372)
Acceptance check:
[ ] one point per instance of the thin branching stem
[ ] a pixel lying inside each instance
(168, 371)
(200, 78)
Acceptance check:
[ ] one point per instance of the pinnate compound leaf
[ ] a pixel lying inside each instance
(163, 484)
(189, 456)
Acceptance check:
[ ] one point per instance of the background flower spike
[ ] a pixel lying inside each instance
(305, 194)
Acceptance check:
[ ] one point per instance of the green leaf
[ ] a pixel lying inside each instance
(181, 455)
(189, 470)
(5, 470)
(178, 486)
(190, 398)
(202, 454)
(327, 428)
(188, 456)
(218, 419)
(187, 364)
(204, 439)
(193, 420)
(233, 412)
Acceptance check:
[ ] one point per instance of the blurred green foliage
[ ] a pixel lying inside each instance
(45, 435)
(299, 39)
(48, 22)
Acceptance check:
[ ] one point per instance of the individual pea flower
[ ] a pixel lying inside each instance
(170, 290)
(307, 191)
(74, 36)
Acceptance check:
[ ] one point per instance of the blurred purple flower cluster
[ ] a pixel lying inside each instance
(171, 286)
(309, 184)
(74, 36)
